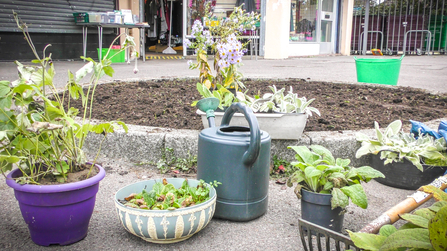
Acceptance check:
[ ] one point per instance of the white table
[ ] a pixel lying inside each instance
(101, 26)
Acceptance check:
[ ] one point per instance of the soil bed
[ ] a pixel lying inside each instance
(167, 103)
(82, 173)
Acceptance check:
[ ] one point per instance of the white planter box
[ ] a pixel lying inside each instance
(277, 125)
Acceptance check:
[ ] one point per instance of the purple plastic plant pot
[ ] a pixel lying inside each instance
(57, 214)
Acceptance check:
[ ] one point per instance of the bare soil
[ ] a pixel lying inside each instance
(81, 173)
(167, 103)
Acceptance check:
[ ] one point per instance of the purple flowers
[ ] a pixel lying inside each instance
(230, 53)
(220, 37)
(187, 43)
(203, 37)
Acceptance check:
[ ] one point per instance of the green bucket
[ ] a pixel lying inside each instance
(120, 56)
(378, 70)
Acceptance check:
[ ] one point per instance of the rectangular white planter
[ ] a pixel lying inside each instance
(277, 125)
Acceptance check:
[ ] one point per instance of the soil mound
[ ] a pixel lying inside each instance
(167, 103)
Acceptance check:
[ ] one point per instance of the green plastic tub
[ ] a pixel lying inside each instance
(119, 58)
(378, 70)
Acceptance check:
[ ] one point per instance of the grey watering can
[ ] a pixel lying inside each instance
(239, 158)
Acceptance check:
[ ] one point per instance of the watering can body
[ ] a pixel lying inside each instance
(239, 158)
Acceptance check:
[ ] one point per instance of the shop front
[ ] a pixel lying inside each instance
(194, 10)
(312, 27)
(288, 28)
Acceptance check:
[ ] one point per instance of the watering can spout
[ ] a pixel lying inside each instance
(208, 105)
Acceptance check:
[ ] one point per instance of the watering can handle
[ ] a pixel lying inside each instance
(252, 153)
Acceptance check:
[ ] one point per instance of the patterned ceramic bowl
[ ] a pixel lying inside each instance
(164, 226)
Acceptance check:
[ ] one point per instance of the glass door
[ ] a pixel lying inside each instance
(326, 34)
(313, 21)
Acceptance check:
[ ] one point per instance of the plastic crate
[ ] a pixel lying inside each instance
(97, 17)
(118, 58)
(81, 17)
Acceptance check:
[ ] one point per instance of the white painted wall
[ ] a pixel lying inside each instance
(346, 23)
(277, 22)
(303, 49)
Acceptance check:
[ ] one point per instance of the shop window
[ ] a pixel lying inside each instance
(303, 20)
(219, 8)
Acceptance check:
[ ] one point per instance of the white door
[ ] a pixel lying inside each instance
(326, 29)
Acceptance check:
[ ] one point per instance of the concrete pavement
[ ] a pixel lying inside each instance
(277, 229)
(427, 72)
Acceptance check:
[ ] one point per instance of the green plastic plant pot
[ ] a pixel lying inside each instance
(316, 208)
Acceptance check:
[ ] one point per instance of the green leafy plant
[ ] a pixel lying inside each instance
(281, 168)
(279, 165)
(394, 145)
(222, 40)
(425, 229)
(42, 136)
(319, 172)
(224, 96)
(277, 101)
(165, 196)
(169, 162)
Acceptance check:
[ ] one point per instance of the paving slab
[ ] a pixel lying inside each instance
(125, 158)
(276, 230)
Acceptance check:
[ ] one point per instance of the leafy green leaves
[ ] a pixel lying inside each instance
(367, 241)
(357, 195)
(407, 238)
(438, 230)
(318, 171)
(394, 145)
(416, 220)
(426, 229)
(165, 196)
(224, 96)
(339, 199)
(278, 102)
(38, 130)
(4, 88)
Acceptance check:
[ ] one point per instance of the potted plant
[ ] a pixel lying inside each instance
(289, 111)
(407, 162)
(224, 79)
(326, 184)
(42, 137)
(166, 210)
(283, 116)
(226, 83)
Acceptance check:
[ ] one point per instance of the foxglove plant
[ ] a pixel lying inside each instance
(42, 136)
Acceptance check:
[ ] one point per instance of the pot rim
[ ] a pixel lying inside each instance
(54, 188)
(406, 159)
(258, 114)
(308, 191)
(210, 200)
